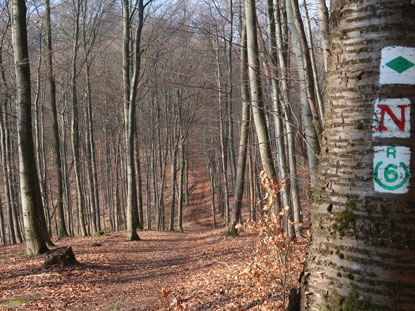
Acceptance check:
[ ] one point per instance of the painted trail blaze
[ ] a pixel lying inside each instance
(397, 65)
(391, 169)
(392, 118)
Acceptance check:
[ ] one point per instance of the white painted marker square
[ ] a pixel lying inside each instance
(392, 118)
(391, 169)
(397, 65)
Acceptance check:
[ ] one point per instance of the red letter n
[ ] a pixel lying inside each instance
(386, 109)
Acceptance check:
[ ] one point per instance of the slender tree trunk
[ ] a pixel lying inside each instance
(74, 126)
(251, 181)
(224, 163)
(229, 97)
(276, 52)
(29, 183)
(186, 181)
(117, 191)
(173, 163)
(2, 228)
(323, 16)
(92, 149)
(40, 156)
(88, 164)
(65, 176)
(62, 232)
(246, 109)
(293, 13)
(256, 91)
(130, 109)
(313, 63)
(180, 186)
(211, 171)
(5, 152)
(148, 191)
(139, 189)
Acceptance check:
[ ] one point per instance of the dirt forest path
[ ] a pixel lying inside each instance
(123, 275)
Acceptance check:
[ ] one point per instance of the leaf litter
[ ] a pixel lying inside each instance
(201, 269)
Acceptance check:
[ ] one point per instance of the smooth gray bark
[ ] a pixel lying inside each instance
(243, 140)
(33, 217)
(229, 96)
(323, 16)
(62, 232)
(256, 91)
(80, 201)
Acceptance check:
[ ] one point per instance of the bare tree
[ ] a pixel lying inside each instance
(52, 93)
(34, 221)
(256, 91)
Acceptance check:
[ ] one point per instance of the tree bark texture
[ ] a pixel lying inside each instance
(323, 16)
(255, 88)
(75, 125)
(243, 140)
(363, 233)
(33, 216)
(62, 232)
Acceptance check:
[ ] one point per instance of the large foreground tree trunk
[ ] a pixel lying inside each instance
(33, 217)
(363, 213)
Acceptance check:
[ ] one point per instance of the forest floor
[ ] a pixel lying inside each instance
(163, 271)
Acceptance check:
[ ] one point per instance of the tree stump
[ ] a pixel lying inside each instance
(60, 256)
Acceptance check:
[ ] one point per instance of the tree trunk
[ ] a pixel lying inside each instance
(33, 216)
(40, 155)
(2, 228)
(323, 16)
(180, 187)
(243, 141)
(311, 137)
(256, 91)
(276, 51)
(62, 232)
(65, 175)
(148, 191)
(173, 163)
(293, 13)
(211, 171)
(91, 150)
(251, 182)
(6, 152)
(75, 127)
(139, 188)
(224, 162)
(130, 108)
(362, 217)
(229, 96)
(313, 63)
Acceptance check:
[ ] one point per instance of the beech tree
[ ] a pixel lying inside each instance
(255, 89)
(33, 217)
(362, 215)
(52, 93)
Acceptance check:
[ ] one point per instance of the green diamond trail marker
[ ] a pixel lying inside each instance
(400, 64)
(397, 65)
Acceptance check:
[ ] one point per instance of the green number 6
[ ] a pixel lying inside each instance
(391, 175)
